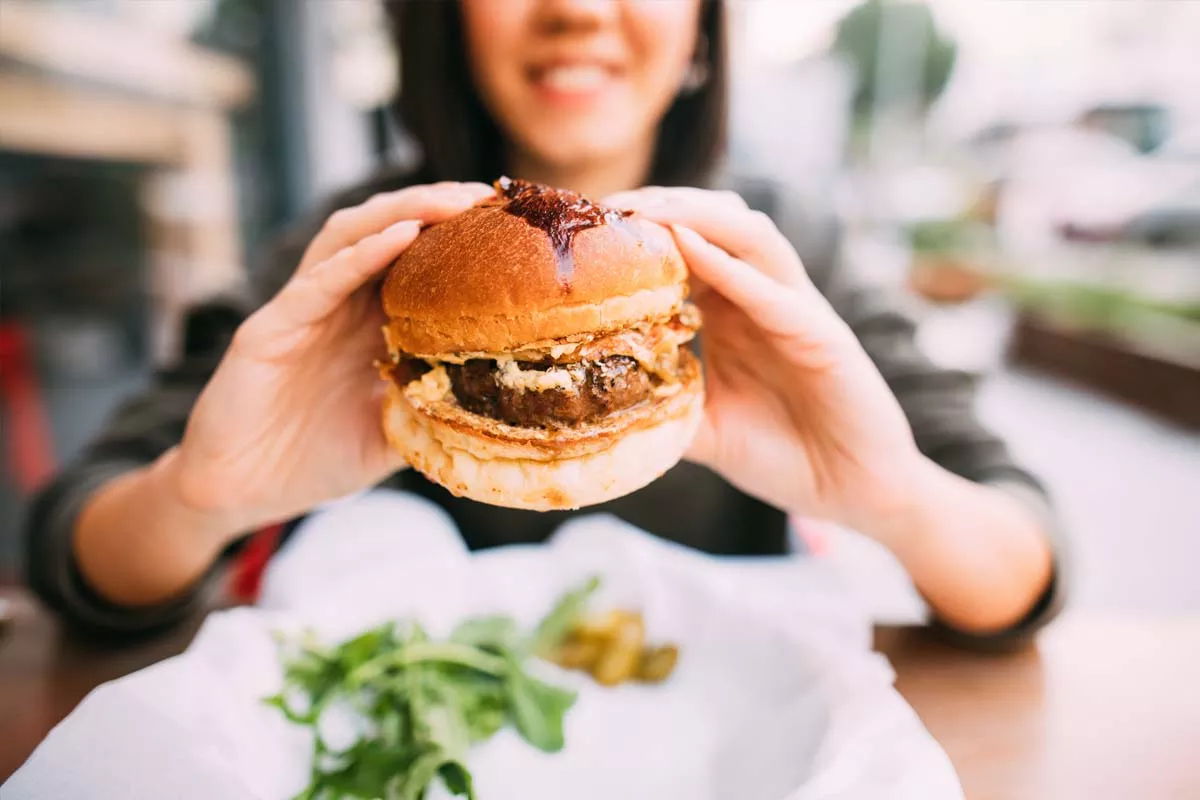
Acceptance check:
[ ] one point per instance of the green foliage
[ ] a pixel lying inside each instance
(565, 614)
(1097, 306)
(538, 709)
(949, 236)
(858, 37)
(419, 704)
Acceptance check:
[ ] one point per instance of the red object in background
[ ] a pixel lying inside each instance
(248, 570)
(30, 446)
(813, 535)
(31, 451)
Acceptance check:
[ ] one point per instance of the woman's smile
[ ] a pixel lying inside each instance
(575, 83)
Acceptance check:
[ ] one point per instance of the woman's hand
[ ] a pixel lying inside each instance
(291, 418)
(796, 412)
(798, 415)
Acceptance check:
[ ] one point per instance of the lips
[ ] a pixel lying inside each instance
(575, 77)
(579, 79)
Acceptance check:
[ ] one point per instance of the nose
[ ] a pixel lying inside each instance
(560, 16)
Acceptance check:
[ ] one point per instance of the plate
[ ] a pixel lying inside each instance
(776, 694)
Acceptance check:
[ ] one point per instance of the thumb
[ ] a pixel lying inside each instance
(387, 460)
(396, 461)
(704, 443)
(392, 459)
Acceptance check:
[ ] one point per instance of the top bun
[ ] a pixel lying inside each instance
(531, 265)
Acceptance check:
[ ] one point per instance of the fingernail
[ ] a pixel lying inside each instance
(649, 201)
(687, 234)
(403, 226)
(635, 200)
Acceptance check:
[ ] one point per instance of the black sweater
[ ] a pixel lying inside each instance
(689, 504)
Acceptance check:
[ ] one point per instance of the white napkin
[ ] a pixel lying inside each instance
(776, 696)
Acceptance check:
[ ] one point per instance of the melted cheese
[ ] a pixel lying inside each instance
(656, 349)
(431, 387)
(667, 389)
(534, 380)
(533, 352)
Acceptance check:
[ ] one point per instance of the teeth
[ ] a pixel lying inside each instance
(580, 78)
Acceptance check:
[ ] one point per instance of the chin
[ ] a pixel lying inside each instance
(539, 352)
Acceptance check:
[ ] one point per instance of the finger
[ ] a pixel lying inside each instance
(393, 460)
(745, 234)
(702, 450)
(773, 306)
(698, 290)
(319, 292)
(658, 195)
(396, 461)
(428, 204)
(623, 199)
(798, 313)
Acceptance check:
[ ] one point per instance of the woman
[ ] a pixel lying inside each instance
(809, 412)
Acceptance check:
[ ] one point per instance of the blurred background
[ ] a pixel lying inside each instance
(1026, 174)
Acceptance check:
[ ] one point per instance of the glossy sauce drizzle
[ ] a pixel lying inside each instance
(558, 212)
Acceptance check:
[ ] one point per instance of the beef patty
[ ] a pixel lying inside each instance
(597, 388)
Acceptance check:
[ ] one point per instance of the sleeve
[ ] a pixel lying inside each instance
(940, 406)
(138, 432)
(150, 423)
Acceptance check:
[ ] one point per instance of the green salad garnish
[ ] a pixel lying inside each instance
(416, 705)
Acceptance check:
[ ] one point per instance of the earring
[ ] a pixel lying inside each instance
(697, 74)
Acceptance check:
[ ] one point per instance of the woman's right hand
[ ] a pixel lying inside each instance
(291, 417)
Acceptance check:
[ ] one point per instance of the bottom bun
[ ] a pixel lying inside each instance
(626, 464)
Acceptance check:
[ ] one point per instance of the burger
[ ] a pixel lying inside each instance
(538, 352)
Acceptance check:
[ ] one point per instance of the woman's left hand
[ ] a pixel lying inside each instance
(796, 412)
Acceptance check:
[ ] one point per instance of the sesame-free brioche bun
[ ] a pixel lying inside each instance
(487, 280)
(490, 304)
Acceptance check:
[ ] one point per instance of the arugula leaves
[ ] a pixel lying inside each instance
(567, 612)
(419, 704)
(538, 710)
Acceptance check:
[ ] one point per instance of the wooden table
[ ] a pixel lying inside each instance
(1103, 707)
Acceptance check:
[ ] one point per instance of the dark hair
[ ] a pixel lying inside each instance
(440, 108)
